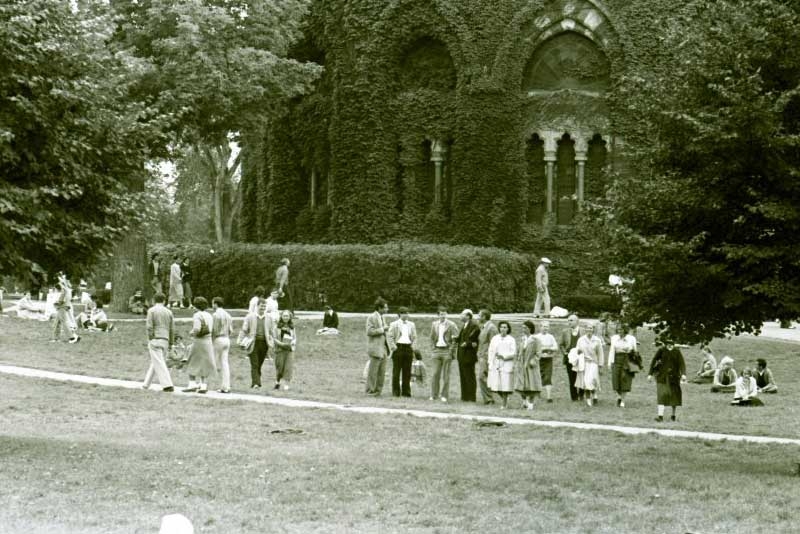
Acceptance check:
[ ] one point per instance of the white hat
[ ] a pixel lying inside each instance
(467, 310)
(545, 260)
(176, 524)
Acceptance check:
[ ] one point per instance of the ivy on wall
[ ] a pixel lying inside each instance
(400, 75)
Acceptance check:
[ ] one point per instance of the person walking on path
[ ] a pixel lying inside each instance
(590, 349)
(542, 288)
(221, 338)
(444, 342)
(285, 344)
(175, 284)
(669, 370)
(201, 357)
(160, 326)
(527, 375)
(186, 281)
(567, 341)
(623, 359)
(282, 285)
(377, 348)
(487, 333)
(257, 337)
(65, 317)
(402, 340)
(468, 355)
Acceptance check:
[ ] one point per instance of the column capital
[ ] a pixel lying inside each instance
(550, 156)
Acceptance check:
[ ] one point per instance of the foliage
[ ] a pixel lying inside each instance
(72, 146)
(352, 276)
(707, 223)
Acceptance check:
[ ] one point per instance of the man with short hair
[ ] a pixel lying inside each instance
(402, 340)
(488, 331)
(221, 338)
(282, 285)
(542, 291)
(567, 341)
(444, 341)
(468, 355)
(764, 380)
(65, 317)
(377, 348)
(160, 335)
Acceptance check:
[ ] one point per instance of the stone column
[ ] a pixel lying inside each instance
(313, 188)
(550, 151)
(438, 151)
(581, 149)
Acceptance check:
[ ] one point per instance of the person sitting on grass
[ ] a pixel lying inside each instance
(94, 318)
(708, 368)
(746, 390)
(763, 376)
(725, 377)
(136, 302)
(330, 323)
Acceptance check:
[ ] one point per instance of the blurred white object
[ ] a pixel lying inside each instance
(614, 280)
(558, 311)
(176, 524)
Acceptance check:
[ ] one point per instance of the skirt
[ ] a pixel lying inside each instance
(201, 358)
(668, 394)
(621, 379)
(589, 379)
(175, 291)
(546, 371)
(501, 379)
(527, 379)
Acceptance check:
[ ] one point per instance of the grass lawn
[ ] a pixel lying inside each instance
(87, 459)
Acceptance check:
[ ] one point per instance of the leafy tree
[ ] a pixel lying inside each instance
(219, 67)
(706, 220)
(71, 143)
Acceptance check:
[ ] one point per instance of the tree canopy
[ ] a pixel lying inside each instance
(71, 142)
(707, 219)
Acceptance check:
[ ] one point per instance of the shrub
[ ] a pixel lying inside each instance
(420, 276)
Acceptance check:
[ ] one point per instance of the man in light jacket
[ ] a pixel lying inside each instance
(377, 348)
(444, 343)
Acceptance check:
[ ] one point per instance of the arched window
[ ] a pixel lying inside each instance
(567, 61)
(565, 186)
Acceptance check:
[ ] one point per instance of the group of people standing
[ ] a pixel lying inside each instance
(179, 288)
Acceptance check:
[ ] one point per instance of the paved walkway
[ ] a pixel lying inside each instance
(297, 403)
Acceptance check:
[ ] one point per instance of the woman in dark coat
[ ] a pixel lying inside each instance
(669, 369)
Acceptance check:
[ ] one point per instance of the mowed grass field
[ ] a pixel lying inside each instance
(76, 458)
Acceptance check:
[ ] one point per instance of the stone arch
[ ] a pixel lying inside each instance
(531, 27)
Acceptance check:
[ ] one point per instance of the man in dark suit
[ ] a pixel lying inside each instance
(487, 332)
(566, 341)
(468, 355)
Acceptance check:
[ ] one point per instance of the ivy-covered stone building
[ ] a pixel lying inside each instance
(486, 122)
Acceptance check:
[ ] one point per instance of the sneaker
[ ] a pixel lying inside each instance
(190, 390)
(223, 391)
(74, 339)
(110, 328)
(621, 404)
(168, 389)
(277, 385)
(257, 386)
(444, 399)
(431, 398)
(588, 402)
(286, 387)
(550, 401)
(202, 391)
(530, 406)
(145, 386)
(660, 418)
(673, 418)
(53, 341)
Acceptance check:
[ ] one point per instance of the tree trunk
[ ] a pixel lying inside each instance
(130, 271)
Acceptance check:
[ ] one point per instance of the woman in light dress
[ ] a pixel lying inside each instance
(590, 350)
(502, 352)
(527, 375)
(201, 357)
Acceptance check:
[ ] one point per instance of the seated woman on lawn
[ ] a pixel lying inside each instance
(746, 390)
(330, 323)
(725, 377)
(708, 368)
(763, 376)
(94, 318)
(136, 302)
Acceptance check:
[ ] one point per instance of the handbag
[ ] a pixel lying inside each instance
(634, 362)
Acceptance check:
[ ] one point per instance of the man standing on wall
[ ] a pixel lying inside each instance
(282, 284)
(402, 339)
(468, 355)
(488, 331)
(542, 291)
(377, 347)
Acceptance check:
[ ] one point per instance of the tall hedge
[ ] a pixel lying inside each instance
(352, 276)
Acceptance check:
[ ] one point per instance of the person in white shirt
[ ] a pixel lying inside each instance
(402, 340)
(623, 360)
(746, 390)
(272, 306)
(221, 339)
(548, 348)
(259, 294)
(175, 284)
(502, 353)
(542, 290)
(590, 350)
(94, 318)
(444, 342)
